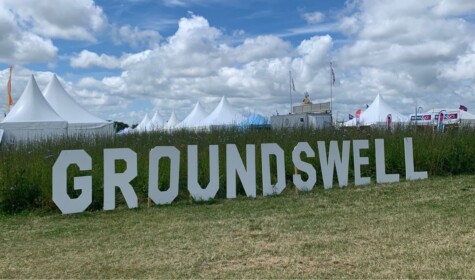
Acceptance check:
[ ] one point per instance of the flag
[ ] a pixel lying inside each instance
(367, 106)
(292, 83)
(462, 107)
(9, 90)
(332, 73)
(350, 116)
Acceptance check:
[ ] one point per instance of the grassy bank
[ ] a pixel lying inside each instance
(420, 229)
(26, 170)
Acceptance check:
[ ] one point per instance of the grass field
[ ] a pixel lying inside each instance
(420, 229)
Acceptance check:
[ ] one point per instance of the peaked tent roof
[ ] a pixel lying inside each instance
(32, 107)
(223, 114)
(143, 125)
(66, 106)
(172, 121)
(156, 122)
(194, 118)
(378, 112)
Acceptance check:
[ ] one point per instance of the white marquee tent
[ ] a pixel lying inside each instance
(156, 123)
(32, 117)
(172, 122)
(377, 113)
(194, 118)
(223, 114)
(79, 120)
(143, 125)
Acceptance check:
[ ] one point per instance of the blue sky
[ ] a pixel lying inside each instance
(124, 59)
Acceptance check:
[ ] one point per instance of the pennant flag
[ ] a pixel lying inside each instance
(462, 107)
(333, 74)
(367, 106)
(350, 116)
(9, 90)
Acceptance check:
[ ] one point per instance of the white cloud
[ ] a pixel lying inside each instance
(453, 7)
(464, 69)
(194, 64)
(17, 46)
(409, 51)
(313, 17)
(135, 37)
(72, 20)
(86, 59)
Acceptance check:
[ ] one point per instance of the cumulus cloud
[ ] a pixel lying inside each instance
(86, 59)
(72, 20)
(18, 46)
(194, 64)
(410, 51)
(313, 17)
(135, 37)
(415, 45)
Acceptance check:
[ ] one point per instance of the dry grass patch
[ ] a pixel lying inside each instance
(423, 229)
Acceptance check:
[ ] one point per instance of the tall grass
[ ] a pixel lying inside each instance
(26, 169)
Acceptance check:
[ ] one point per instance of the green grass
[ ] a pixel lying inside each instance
(26, 170)
(419, 229)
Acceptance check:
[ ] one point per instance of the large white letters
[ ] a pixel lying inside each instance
(267, 187)
(359, 160)
(66, 204)
(158, 196)
(235, 165)
(381, 176)
(409, 160)
(196, 191)
(304, 147)
(273, 181)
(121, 180)
(334, 159)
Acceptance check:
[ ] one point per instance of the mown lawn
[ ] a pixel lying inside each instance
(420, 229)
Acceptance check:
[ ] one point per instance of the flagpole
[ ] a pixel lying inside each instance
(290, 89)
(332, 78)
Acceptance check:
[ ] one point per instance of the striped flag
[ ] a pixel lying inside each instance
(9, 90)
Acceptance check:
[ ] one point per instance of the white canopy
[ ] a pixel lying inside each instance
(194, 118)
(223, 114)
(32, 117)
(378, 112)
(172, 122)
(156, 122)
(143, 125)
(79, 120)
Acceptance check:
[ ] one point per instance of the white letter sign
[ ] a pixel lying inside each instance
(158, 196)
(66, 204)
(121, 180)
(267, 187)
(196, 191)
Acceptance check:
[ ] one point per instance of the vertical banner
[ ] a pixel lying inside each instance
(9, 90)
(358, 114)
(440, 124)
(388, 121)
